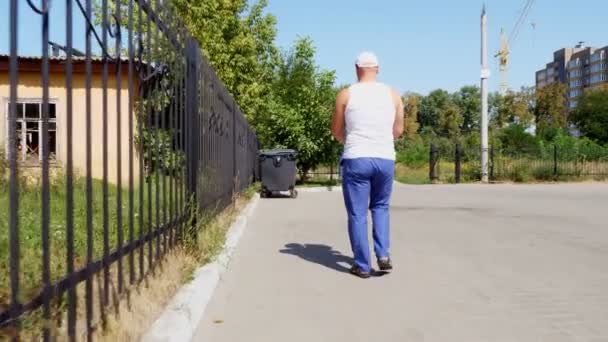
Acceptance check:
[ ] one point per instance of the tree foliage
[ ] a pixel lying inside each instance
(450, 121)
(468, 100)
(513, 108)
(411, 105)
(431, 107)
(515, 137)
(239, 41)
(591, 115)
(551, 110)
(301, 107)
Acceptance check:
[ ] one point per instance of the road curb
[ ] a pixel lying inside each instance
(182, 316)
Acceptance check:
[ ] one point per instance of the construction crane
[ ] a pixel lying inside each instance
(503, 54)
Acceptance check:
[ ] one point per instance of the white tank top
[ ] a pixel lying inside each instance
(369, 118)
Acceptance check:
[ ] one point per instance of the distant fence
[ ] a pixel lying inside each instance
(455, 164)
(330, 173)
(141, 133)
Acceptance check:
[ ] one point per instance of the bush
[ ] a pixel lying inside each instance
(570, 148)
(413, 152)
(471, 172)
(157, 148)
(543, 173)
(514, 138)
(520, 173)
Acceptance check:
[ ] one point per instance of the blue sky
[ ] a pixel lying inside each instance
(429, 44)
(422, 44)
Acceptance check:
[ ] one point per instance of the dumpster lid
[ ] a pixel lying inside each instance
(278, 152)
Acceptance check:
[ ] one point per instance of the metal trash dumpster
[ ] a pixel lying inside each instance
(278, 172)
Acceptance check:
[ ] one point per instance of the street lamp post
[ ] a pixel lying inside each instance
(485, 75)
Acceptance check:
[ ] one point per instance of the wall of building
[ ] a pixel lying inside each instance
(30, 88)
(579, 68)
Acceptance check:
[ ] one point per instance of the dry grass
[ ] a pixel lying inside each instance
(144, 303)
(147, 303)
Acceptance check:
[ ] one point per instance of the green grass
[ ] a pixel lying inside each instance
(201, 244)
(30, 236)
(411, 175)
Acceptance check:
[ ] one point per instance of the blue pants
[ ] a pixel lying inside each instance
(367, 183)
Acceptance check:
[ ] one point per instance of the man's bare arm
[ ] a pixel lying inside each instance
(398, 125)
(337, 122)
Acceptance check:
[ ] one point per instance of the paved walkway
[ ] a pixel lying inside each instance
(473, 263)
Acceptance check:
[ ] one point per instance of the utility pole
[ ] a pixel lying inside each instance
(485, 75)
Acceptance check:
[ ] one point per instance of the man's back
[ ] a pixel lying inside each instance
(369, 119)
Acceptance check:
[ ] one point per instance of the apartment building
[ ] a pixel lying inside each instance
(556, 70)
(579, 68)
(579, 74)
(598, 75)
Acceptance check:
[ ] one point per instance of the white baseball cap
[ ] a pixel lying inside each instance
(367, 60)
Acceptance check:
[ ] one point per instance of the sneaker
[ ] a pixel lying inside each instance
(385, 264)
(357, 271)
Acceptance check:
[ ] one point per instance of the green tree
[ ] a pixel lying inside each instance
(514, 108)
(301, 107)
(495, 101)
(551, 111)
(468, 99)
(450, 121)
(411, 105)
(239, 41)
(591, 115)
(430, 110)
(515, 138)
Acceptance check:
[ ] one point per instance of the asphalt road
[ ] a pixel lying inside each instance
(472, 263)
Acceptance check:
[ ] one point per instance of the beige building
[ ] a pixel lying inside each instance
(29, 108)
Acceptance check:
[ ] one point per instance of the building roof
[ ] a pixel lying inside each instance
(98, 59)
(57, 63)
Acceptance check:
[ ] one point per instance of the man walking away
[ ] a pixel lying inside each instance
(367, 120)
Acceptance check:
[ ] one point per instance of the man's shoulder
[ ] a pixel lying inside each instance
(392, 89)
(344, 93)
(343, 97)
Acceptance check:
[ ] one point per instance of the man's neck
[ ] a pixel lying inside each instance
(369, 79)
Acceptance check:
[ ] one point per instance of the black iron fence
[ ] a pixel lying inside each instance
(455, 164)
(551, 162)
(115, 138)
(329, 174)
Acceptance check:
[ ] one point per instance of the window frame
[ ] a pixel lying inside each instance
(34, 100)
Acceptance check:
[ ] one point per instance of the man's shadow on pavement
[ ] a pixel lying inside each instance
(320, 254)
